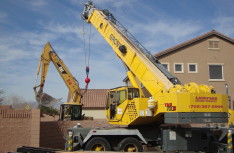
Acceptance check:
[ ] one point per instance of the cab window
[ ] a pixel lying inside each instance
(122, 96)
(133, 93)
(117, 97)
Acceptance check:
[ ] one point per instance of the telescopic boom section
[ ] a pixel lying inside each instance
(141, 63)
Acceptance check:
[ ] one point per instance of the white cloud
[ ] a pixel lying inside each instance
(105, 4)
(224, 24)
(38, 3)
(27, 43)
(77, 2)
(165, 33)
(62, 28)
(22, 46)
(173, 29)
(32, 5)
(3, 17)
(7, 54)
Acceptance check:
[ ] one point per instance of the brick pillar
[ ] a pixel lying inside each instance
(35, 128)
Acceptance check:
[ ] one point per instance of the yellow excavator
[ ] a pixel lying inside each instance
(71, 110)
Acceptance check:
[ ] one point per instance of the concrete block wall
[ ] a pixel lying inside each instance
(18, 128)
(25, 128)
(35, 128)
(53, 132)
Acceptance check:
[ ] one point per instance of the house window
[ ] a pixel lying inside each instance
(216, 72)
(166, 65)
(213, 44)
(192, 68)
(179, 68)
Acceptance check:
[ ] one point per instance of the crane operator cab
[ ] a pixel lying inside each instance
(118, 97)
(70, 112)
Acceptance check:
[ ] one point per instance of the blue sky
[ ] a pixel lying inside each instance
(26, 26)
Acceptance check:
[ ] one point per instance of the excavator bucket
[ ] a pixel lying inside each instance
(46, 100)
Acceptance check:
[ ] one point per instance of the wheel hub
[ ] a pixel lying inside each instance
(98, 147)
(130, 148)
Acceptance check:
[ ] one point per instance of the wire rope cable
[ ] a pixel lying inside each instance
(86, 52)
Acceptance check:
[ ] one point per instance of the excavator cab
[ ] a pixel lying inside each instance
(70, 112)
(118, 96)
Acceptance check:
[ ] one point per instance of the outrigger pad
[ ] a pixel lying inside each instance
(46, 100)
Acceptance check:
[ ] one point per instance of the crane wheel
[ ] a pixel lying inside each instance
(98, 144)
(130, 144)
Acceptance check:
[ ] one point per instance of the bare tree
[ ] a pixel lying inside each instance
(25, 105)
(9, 100)
(18, 102)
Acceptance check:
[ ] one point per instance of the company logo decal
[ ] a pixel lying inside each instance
(170, 107)
(206, 99)
(114, 40)
(61, 69)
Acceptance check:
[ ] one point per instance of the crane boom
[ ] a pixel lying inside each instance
(137, 58)
(70, 110)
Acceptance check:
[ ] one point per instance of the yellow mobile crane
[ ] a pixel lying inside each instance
(68, 111)
(154, 121)
(171, 102)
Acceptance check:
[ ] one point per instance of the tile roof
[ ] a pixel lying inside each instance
(94, 98)
(194, 40)
(5, 106)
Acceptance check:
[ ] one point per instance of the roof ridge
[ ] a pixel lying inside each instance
(212, 32)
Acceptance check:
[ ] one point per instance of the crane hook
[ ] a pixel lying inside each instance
(87, 79)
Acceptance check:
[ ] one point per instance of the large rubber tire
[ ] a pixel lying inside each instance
(130, 144)
(98, 144)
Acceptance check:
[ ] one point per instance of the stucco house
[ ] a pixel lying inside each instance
(207, 59)
(94, 102)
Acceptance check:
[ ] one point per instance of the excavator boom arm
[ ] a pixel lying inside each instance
(47, 56)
